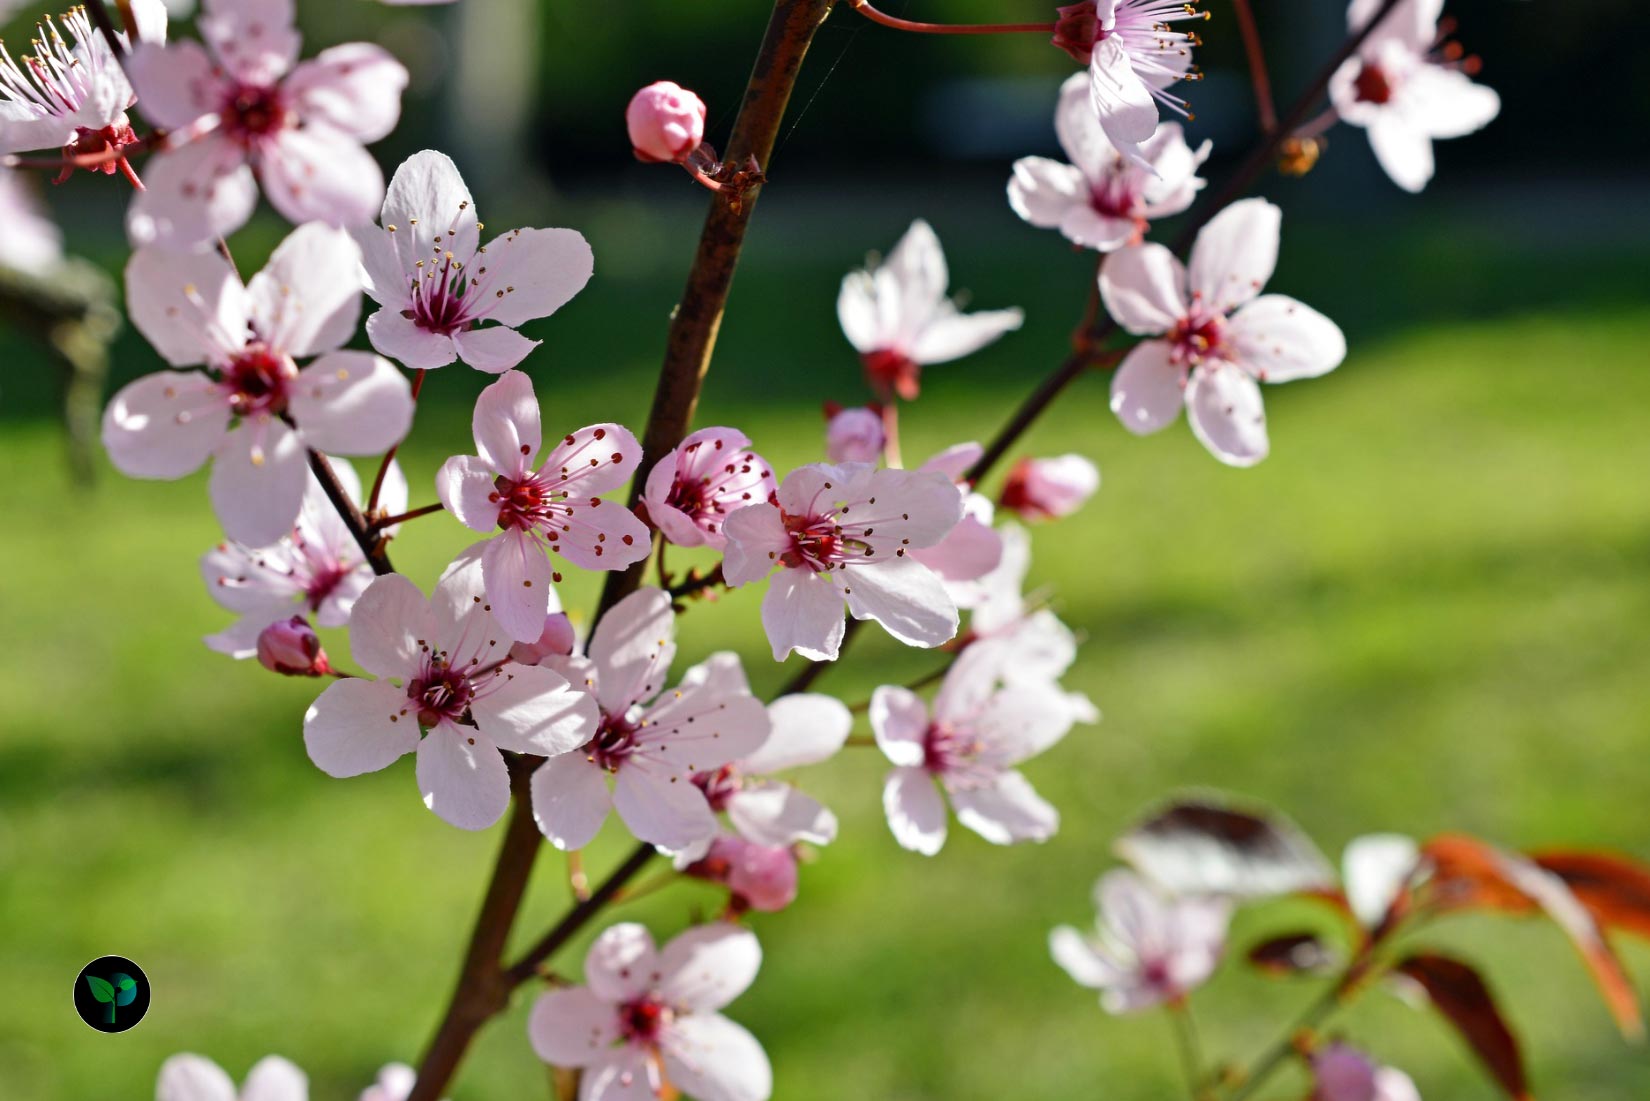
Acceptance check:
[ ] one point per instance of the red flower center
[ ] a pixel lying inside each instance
(440, 693)
(257, 379)
(892, 372)
(1198, 337)
(251, 113)
(719, 786)
(1373, 85)
(815, 542)
(614, 742)
(642, 1020)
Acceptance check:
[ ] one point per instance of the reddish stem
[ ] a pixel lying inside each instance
(864, 8)
(1257, 66)
(401, 517)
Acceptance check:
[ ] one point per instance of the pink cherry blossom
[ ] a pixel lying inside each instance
(1104, 199)
(1133, 55)
(649, 741)
(32, 243)
(666, 122)
(967, 748)
(317, 568)
(558, 639)
(437, 283)
(71, 92)
(710, 474)
(805, 729)
(896, 314)
(445, 689)
(1217, 339)
(247, 113)
(252, 410)
(1343, 1073)
(1149, 948)
(533, 507)
(647, 1016)
(854, 435)
(1407, 91)
(973, 548)
(843, 534)
(197, 1078)
(758, 877)
(395, 1080)
(292, 648)
(1046, 489)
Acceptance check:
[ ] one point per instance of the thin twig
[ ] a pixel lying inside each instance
(370, 544)
(1258, 75)
(401, 517)
(576, 918)
(864, 8)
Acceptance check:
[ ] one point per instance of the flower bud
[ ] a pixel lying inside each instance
(1041, 489)
(1343, 1073)
(666, 122)
(290, 647)
(761, 877)
(854, 436)
(1077, 30)
(557, 639)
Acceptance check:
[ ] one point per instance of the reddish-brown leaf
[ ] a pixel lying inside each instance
(1292, 954)
(1615, 889)
(1459, 994)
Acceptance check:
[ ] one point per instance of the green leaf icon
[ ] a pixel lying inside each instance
(125, 989)
(101, 989)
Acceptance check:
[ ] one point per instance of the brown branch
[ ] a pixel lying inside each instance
(1257, 66)
(402, 517)
(576, 918)
(698, 317)
(370, 544)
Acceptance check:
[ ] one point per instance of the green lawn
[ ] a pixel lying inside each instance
(1425, 612)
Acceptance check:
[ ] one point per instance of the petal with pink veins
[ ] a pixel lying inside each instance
(386, 626)
(709, 966)
(175, 84)
(462, 777)
(1128, 113)
(623, 963)
(972, 550)
(307, 300)
(661, 805)
(598, 458)
(193, 194)
(570, 800)
(1143, 289)
(534, 711)
(916, 813)
(465, 484)
(319, 174)
(771, 813)
(1042, 191)
(1148, 390)
(906, 597)
(410, 345)
(572, 1027)
(1278, 339)
(506, 425)
(1007, 811)
(807, 728)
(358, 726)
(696, 728)
(1077, 126)
(259, 473)
(352, 403)
(494, 349)
(1227, 414)
(1235, 254)
(164, 425)
(756, 538)
(355, 88)
(254, 39)
(604, 535)
(190, 306)
(632, 648)
(711, 1058)
(519, 581)
(802, 611)
(538, 270)
(899, 720)
(432, 211)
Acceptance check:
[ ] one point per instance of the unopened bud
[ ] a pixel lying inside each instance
(556, 639)
(666, 122)
(854, 436)
(291, 647)
(1343, 1073)
(1042, 489)
(761, 877)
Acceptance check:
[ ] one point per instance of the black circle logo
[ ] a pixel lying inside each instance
(111, 994)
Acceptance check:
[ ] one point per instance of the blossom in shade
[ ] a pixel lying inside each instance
(758, 877)
(197, 1078)
(1133, 54)
(973, 548)
(854, 435)
(647, 1016)
(1148, 949)
(666, 122)
(251, 410)
(712, 473)
(242, 111)
(1409, 89)
(1341, 1072)
(967, 748)
(1046, 489)
(649, 741)
(444, 688)
(1104, 199)
(32, 243)
(805, 729)
(533, 506)
(896, 314)
(438, 284)
(843, 534)
(317, 568)
(1216, 340)
(70, 92)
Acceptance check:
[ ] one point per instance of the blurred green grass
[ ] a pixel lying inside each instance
(1424, 612)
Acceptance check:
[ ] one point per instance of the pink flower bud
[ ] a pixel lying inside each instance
(854, 436)
(761, 877)
(1343, 1073)
(666, 121)
(1041, 489)
(557, 638)
(290, 647)
(1077, 30)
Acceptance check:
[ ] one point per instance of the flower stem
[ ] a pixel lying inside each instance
(864, 8)
(401, 517)
(1190, 1048)
(371, 546)
(1257, 66)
